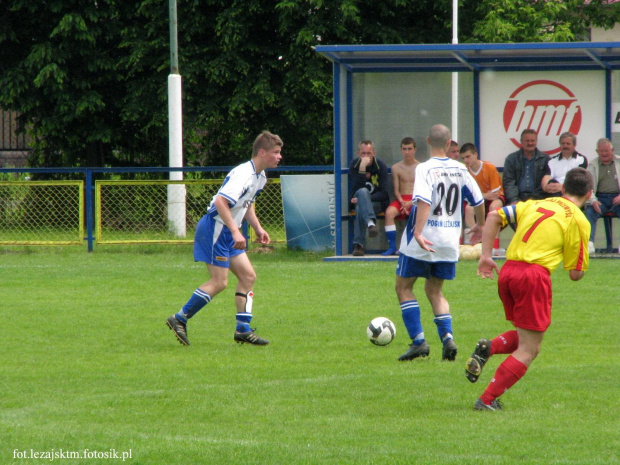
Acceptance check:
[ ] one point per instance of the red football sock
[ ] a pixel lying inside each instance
(505, 343)
(508, 373)
(496, 243)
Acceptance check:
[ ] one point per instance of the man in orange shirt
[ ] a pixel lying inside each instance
(548, 232)
(490, 184)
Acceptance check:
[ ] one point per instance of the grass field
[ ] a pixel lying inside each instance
(88, 366)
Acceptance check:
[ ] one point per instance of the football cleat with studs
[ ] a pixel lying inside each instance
(449, 350)
(493, 406)
(474, 365)
(415, 351)
(179, 328)
(250, 337)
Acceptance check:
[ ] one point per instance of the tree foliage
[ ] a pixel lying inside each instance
(89, 78)
(62, 70)
(506, 21)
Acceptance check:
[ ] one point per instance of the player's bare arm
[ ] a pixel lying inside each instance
(476, 230)
(221, 204)
(486, 264)
(421, 218)
(252, 219)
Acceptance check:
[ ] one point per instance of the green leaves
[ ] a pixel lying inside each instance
(93, 79)
(72, 25)
(50, 75)
(499, 21)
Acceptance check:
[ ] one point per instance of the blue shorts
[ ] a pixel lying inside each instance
(409, 267)
(213, 243)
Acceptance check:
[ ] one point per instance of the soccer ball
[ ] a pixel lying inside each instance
(381, 331)
(470, 252)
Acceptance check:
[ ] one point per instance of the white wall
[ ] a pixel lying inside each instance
(601, 35)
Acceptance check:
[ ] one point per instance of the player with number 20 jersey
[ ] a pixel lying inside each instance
(443, 183)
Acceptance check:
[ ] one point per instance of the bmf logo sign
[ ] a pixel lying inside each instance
(548, 107)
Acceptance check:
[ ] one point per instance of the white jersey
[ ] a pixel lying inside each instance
(444, 184)
(241, 187)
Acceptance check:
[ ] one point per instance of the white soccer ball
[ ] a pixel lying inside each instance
(478, 250)
(468, 252)
(381, 331)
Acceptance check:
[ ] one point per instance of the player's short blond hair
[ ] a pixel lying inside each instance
(266, 141)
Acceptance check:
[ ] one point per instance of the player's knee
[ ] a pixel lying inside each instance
(402, 290)
(247, 278)
(495, 205)
(217, 284)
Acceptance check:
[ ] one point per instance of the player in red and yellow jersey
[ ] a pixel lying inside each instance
(548, 232)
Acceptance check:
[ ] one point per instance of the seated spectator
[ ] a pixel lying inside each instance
(524, 170)
(560, 164)
(606, 172)
(403, 176)
(368, 180)
(490, 184)
(453, 151)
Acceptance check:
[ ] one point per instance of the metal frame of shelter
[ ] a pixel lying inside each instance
(468, 58)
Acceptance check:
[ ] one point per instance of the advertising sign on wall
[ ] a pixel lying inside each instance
(549, 102)
(615, 117)
(309, 203)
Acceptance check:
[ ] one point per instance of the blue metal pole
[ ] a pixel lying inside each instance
(89, 209)
(337, 162)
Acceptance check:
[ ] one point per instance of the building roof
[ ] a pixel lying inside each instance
(475, 57)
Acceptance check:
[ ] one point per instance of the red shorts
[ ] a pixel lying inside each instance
(525, 290)
(396, 205)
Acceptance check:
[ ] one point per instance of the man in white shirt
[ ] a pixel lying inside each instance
(562, 163)
(220, 243)
(430, 243)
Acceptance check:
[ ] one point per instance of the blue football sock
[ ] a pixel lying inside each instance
(391, 238)
(243, 323)
(411, 317)
(195, 303)
(444, 327)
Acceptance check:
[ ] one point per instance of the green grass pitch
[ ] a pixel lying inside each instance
(88, 365)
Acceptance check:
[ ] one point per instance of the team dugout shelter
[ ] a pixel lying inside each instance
(486, 93)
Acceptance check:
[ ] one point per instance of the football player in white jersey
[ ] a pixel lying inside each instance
(430, 243)
(220, 243)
